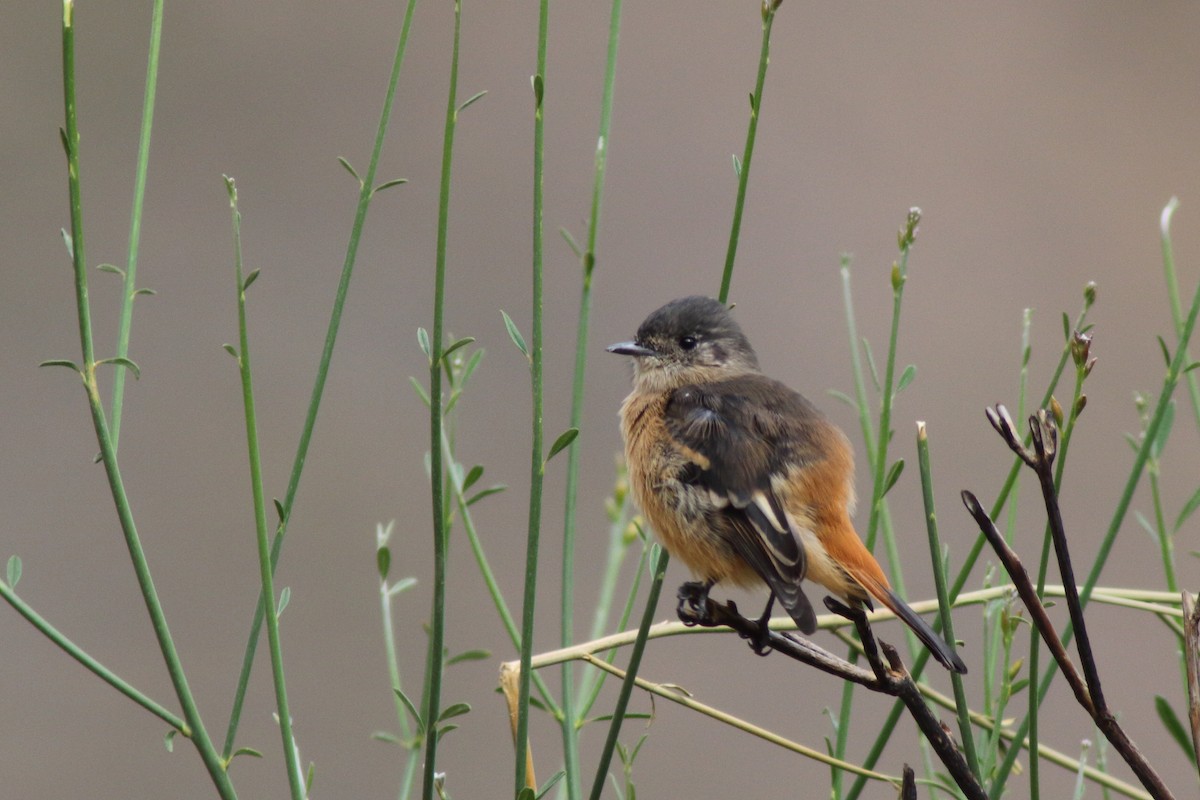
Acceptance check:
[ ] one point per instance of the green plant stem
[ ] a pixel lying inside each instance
(537, 459)
(769, 8)
(266, 577)
(570, 729)
(412, 759)
(366, 192)
(960, 580)
(208, 754)
(437, 475)
(135, 225)
(489, 577)
(939, 580)
(635, 659)
(92, 665)
(1172, 281)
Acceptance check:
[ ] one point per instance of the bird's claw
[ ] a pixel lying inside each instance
(693, 607)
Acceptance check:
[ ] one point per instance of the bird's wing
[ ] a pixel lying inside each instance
(746, 431)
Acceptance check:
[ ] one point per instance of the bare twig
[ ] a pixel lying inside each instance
(1040, 457)
(891, 678)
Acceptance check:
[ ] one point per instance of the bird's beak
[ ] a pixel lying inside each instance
(630, 349)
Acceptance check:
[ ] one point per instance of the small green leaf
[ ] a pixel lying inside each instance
(737, 166)
(906, 378)
(469, 655)
(845, 398)
(1171, 722)
(1164, 429)
(251, 278)
(1188, 509)
(60, 362)
(285, 597)
(412, 709)
(113, 268)
(454, 710)
(538, 89)
(893, 475)
(169, 740)
(473, 475)
(66, 237)
(752, 109)
(383, 560)
(548, 785)
(871, 363)
(13, 571)
(470, 101)
(401, 585)
(1166, 352)
(463, 342)
(245, 751)
(309, 777)
(442, 730)
(486, 492)
(144, 291)
(571, 243)
(562, 442)
(423, 341)
(472, 365)
(420, 390)
(389, 185)
(278, 508)
(349, 169)
(1191, 367)
(390, 738)
(1066, 321)
(121, 361)
(1019, 686)
(66, 143)
(515, 334)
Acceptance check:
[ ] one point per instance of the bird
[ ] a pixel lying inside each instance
(741, 477)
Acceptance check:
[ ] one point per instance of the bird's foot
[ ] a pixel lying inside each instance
(693, 608)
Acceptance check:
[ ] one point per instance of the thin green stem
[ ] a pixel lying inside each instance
(570, 730)
(1172, 281)
(135, 224)
(489, 577)
(437, 473)
(366, 192)
(266, 577)
(939, 579)
(92, 665)
(537, 458)
(208, 754)
(635, 661)
(386, 592)
(769, 7)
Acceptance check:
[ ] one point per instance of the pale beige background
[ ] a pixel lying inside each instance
(1040, 140)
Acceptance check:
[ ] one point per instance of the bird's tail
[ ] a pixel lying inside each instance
(936, 644)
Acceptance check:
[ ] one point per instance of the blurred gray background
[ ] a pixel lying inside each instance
(1041, 141)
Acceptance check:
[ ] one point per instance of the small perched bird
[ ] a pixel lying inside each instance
(742, 478)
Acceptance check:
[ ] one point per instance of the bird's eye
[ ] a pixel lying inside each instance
(687, 342)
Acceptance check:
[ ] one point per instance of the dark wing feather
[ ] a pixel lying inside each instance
(749, 429)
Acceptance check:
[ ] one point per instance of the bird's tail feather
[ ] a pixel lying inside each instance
(937, 646)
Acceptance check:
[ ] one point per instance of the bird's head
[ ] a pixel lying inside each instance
(689, 340)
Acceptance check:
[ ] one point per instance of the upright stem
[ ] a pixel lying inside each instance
(570, 728)
(208, 754)
(537, 463)
(366, 192)
(437, 474)
(135, 224)
(266, 577)
(769, 7)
